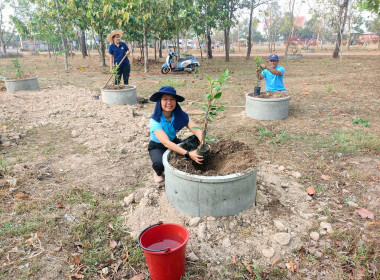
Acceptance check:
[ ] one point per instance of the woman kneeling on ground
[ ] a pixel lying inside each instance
(167, 119)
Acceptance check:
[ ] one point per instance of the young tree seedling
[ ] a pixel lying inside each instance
(16, 65)
(211, 108)
(258, 62)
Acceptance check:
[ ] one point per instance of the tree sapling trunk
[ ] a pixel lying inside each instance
(211, 108)
(258, 61)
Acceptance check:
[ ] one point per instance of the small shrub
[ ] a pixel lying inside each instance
(329, 88)
(360, 120)
(16, 65)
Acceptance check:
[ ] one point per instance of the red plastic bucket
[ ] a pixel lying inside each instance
(164, 247)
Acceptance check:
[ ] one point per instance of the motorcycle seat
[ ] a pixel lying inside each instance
(185, 58)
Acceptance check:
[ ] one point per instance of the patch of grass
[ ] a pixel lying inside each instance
(355, 256)
(355, 140)
(319, 188)
(360, 120)
(284, 137)
(329, 88)
(125, 192)
(173, 83)
(3, 167)
(13, 229)
(95, 230)
(353, 199)
(265, 132)
(81, 196)
(348, 141)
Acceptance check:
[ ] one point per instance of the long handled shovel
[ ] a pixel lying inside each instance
(117, 67)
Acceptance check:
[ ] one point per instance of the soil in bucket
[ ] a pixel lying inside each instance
(164, 247)
(226, 157)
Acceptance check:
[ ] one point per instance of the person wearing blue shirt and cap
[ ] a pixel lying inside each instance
(169, 118)
(273, 74)
(118, 50)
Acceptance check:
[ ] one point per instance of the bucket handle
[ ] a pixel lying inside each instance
(150, 250)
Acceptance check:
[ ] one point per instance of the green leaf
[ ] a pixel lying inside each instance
(196, 127)
(218, 95)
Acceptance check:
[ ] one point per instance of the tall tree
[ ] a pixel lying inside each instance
(321, 13)
(374, 26)
(341, 22)
(78, 15)
(61, 29)
(253, 4)
(227, 19)
(272, 17)
(370, 5)
(291, 26)
(99, 23)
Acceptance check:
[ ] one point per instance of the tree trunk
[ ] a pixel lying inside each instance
(96, 45)
(48, 46)
(227, 43)
(341, 23)
(249, 40)
(160, 49)
(179, 49)
(102, 49)
(291, 22)
(155, 49)
(21, 43)
(199, 43)
(318, 34)
(209, 43)
(62, 37)
(146, 66)
(2, 41)
(349, 33)
(82, 43)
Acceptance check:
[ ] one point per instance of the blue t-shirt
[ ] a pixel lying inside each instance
(164, 125)
(274, 82)
(118, 53)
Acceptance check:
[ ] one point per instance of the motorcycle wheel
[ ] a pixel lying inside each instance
(165, 70)
(194, 69)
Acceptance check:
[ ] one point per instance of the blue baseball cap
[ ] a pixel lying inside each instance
(166, 90)
(273, 57)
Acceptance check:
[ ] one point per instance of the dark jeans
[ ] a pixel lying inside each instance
(156, 151)
(123, 70)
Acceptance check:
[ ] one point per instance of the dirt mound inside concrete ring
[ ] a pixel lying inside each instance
(270, 94)
(227, 157)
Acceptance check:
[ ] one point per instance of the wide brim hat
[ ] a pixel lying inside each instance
(166, 90)
(113, 33)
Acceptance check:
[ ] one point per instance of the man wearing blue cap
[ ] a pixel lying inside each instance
(273, 74)
(167, 119)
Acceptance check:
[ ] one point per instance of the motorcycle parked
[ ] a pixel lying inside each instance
(188, 64)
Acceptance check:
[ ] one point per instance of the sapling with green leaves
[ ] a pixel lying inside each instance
(115, 73)
(211, 108)
(16, 65)
(258, 62)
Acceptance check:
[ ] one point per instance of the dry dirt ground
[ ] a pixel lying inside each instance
(76, 184)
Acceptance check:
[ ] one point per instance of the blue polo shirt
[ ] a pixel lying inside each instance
(164, 125)
(118, 53)
(274, 82)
